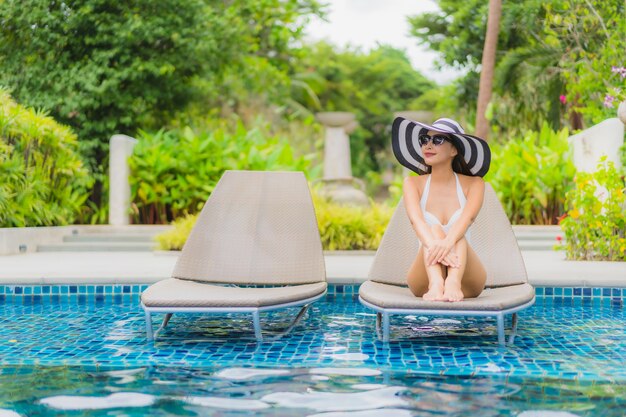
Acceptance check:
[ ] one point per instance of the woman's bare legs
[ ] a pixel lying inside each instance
(468, 280)
(427, 281)
(440, 283)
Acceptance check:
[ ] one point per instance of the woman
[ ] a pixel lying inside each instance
(441, 204)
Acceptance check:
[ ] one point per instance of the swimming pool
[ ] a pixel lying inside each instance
(84, 348)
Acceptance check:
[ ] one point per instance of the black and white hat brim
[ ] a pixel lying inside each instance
(407, 150)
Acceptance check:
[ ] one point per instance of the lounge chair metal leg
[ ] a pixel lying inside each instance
(385, 327)
(256, 320)
(296, 320)
(514, 321)
(149, 333)
(501, 339)
(166, 320)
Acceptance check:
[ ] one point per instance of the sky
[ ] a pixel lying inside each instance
(365, 23)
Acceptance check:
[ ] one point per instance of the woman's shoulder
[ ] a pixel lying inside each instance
(416, 181)
(469, 181)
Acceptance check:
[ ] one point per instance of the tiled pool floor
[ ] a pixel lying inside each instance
(571, 339)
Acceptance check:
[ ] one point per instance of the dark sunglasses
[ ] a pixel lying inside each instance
(435, 139)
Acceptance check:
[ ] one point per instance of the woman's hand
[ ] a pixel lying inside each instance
(451, 261)
(439, 251)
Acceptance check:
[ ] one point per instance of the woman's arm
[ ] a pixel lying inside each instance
(414, 211)
(440, 249)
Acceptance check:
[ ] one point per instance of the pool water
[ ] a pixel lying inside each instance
(88, 355)
(320, 392)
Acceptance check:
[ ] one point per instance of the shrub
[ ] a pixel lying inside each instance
(174, 172)
(531, 175)
(44, 182)
(344, 227)
(341, 227)
(595, 223)
(175, 239)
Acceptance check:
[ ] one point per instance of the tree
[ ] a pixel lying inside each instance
(103, 66)
(108, 66)
(265, 38)
(487, 67)
(373, 85)
(554, 59)
(527, 82)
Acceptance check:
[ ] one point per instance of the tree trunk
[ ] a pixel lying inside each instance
(488, 64)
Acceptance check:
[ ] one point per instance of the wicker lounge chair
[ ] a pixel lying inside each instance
(507, 290)
(254, 248)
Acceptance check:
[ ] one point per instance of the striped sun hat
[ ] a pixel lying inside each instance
(406, 147)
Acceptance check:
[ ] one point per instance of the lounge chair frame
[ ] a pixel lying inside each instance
(383, 316)
(255, 311)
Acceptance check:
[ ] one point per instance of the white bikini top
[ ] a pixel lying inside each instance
(430, 218)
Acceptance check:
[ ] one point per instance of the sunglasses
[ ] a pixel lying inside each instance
(435, 139)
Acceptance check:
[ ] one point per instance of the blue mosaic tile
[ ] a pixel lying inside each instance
(564, 337)
(554, 339)
(350, 290)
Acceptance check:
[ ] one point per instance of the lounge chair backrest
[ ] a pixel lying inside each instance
(256, 228)
(496, 245)
(492, 239)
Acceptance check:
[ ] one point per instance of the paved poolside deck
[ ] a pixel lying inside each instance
(545, 268)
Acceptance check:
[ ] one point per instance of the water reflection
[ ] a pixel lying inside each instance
(322, 391)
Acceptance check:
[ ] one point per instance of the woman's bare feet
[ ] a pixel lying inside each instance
(435, 292)
(452, 290)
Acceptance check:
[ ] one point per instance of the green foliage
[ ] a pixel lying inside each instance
(372, 85)
(457, 32)
(556, 60)
(44, 182)
(175, 238)
(344, 227)
(341, 227)
(104, 66)
(174, 172)
(595, 225)
(532, 174)
(262, 43)
(591, 35)
(441, 101)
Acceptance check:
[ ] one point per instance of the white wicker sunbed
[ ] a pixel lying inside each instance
(507, 290)
(254, 248)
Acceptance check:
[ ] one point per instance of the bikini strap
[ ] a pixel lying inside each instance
(459, 192)
(424, 198)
